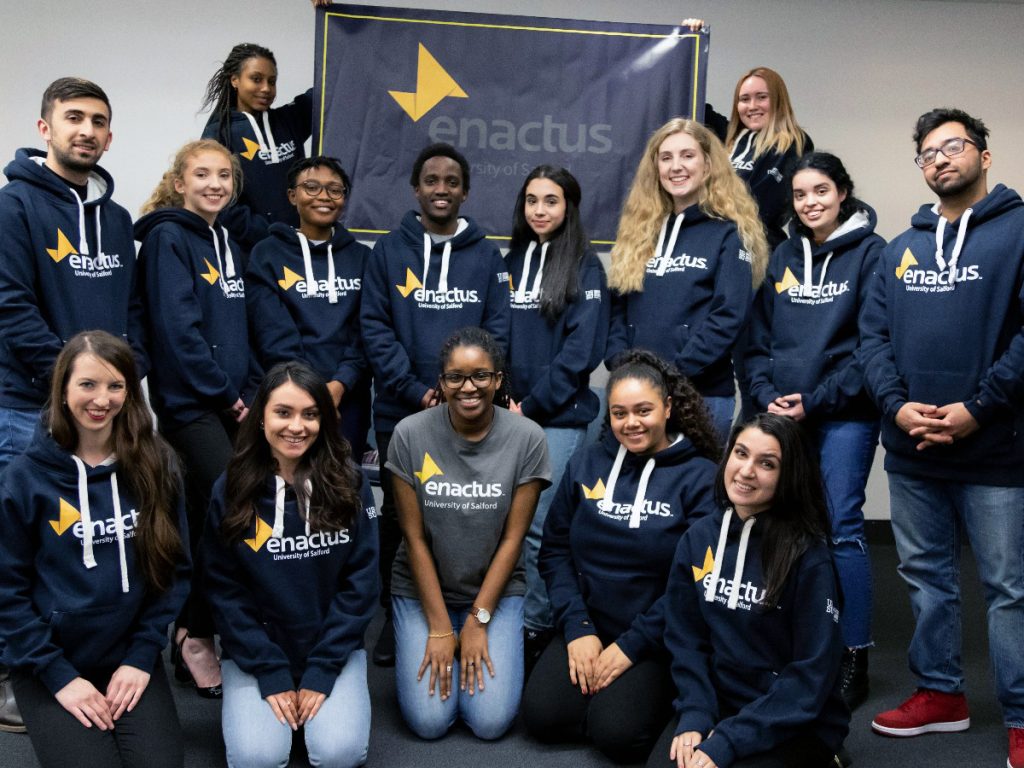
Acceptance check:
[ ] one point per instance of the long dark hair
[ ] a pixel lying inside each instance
(147, 464)
(471, 336)
(219, 93)
(335, 499)
(689, 415)
(798, 515)
(831, 166)
(568, 242)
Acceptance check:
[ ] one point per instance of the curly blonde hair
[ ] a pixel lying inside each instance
(166, 196)
(782, 131)
(722, 195)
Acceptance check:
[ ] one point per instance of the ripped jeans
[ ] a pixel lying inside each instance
(846, 450)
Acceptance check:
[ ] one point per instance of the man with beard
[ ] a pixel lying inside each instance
(67, 264)
(945, 347)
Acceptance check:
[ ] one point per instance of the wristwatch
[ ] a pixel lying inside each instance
(482, 614)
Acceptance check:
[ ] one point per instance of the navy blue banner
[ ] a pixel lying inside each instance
(510, 92)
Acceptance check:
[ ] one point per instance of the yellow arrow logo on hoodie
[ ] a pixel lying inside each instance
(64, 248)
(704, 570)
(212, 275)
(429, 470)
(251, 148)
(906, 263)
(788, 281)
(597, 492)
(68, 516)
(411, 284)
(263, 532)
(433, 85)
(290, 278)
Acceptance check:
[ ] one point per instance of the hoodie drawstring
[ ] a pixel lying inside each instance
(446, 255)
(88, 556)
(641, 492)
(279, 490)
(119, 530)
(809, 269)
(267, 145)
(605, 504)
(957, 246)
(307, 260)
(522, 296)
(225, 264)
(663, 256)
(741, 558)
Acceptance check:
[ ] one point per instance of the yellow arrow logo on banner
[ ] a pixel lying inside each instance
(433, 84)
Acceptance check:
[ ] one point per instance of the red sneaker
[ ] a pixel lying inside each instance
(1016, 757)
(928, 712)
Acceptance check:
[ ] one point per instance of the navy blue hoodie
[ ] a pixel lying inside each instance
(60, 616)
(264, 198)
(937, 340)
(291, 603)
(297, 315)
(550, 362)
(67, 266)
(415, 294)
(605, 557)
(804, 329)
(757, 677)
(694, 304)
(196, 317)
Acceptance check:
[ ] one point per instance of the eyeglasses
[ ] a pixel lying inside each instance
(334, 191)
(479, 379)
(950, 148)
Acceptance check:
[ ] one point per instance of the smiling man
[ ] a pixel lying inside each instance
(434, 274)
(945, 334)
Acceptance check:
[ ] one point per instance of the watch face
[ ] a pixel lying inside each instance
(483, 615)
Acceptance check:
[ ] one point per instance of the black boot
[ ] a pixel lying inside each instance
(853, 677)
(384, 650)
(10, 717)
(534, 643)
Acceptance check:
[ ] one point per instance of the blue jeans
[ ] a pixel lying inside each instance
(846, 450)
(488, 713)
(562, 443)
(722, 410)
(16, 428)
(928, 519)
(337, 737)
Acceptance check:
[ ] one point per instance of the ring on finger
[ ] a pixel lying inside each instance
(448, 668)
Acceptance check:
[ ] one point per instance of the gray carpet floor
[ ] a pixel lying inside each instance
(391, 744)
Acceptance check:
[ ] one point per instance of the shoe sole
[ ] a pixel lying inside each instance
(13, 728)
(952, 726)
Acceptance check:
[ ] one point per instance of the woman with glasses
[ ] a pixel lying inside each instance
(466, 476)
(304, 288)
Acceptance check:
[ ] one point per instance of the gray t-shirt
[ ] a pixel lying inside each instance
(464, 492)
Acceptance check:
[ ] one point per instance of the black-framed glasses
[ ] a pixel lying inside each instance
(950, 148)
(479, 379)
(334, 190)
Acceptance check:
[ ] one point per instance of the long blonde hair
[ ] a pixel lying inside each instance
(722, 195)
(166, 196)
(782, 130)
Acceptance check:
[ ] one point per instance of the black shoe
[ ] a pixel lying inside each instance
(534, 643)
(184, 675)
(384, 650)
(10, 717)
(853, 677)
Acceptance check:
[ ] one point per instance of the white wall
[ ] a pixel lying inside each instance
(859, 73)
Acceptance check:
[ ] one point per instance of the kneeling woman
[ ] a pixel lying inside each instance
(290, 552)
(466, 475)
(93, 567)
(608, 543)
(753, 615)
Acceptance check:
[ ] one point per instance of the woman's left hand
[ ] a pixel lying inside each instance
(610, 665)
(473, 643)
(309, 704)
(788, 405)
(700, 760)
(514, 407)
(125, 688)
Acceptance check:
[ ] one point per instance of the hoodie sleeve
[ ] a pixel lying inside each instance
(715, 337)
(759, 345)
(176, 317)
(497, 319)
(298, 116)
(881, 377)
(391, 365)
(618, 328)
(275, 336)
(352, 607)
(235, 607)
(798, 693)
(29, 640)
(556, 566)
(582, 347)
(150, 634)
(847, 381)
(25, 332)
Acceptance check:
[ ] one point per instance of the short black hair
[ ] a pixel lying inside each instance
(67, 88)
(319, 161)
(440, 150)
(929, 121)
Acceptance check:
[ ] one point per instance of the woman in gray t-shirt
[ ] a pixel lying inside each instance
(467, 476)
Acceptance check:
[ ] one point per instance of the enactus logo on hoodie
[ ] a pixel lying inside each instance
(749, 594)
(318, 289)
(104, 530)
(617, 511)
(312, 544)
(83, 265)
(430, 298)
(922, 280)
(452, 494)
